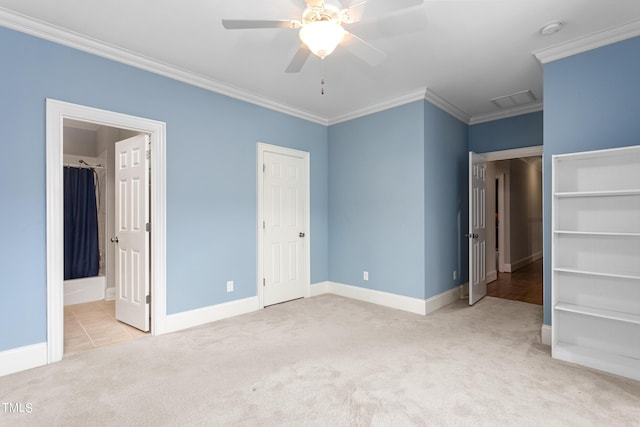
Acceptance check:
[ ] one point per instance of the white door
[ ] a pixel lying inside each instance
(132, 237)
(284, 228)
(477, 228)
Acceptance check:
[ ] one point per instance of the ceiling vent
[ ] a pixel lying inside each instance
(515, 99)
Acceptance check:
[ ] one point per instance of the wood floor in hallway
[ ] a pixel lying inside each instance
(523, 285)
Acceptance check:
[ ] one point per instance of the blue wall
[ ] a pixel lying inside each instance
(446, 183)
(389, 212)
(591, 102)
(376, 201)
(506, 134)
(211, 176)
(379, 200)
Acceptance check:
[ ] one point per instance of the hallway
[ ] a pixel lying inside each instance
(523, 285)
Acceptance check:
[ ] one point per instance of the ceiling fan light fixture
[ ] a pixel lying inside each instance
(322, 37)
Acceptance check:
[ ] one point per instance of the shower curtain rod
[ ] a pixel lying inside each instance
(83, 165)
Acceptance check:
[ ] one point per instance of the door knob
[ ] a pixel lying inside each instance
(471, 236)
(114, 239)
(301, 234)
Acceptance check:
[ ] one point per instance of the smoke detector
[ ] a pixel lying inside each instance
(551, 28)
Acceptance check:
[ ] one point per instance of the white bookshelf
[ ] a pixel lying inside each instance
(596, 260)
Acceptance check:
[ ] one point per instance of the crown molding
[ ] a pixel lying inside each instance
(504, 114)
(375, 108)
(586, 43)
(435, 99)
(43, 30)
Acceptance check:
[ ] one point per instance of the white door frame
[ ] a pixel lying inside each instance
(261, 149)
(502, 220)
(56, 112)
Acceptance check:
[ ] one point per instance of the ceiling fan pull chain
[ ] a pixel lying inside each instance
(322, 86)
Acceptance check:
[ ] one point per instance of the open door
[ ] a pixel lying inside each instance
(132, 232)
(477, 228)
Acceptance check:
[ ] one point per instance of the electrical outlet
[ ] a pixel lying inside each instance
(365, 275)
(230, 286)
(455, 274)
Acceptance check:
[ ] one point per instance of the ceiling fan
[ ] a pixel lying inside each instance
(321, 29)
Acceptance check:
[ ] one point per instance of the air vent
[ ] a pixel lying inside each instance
(515, 99)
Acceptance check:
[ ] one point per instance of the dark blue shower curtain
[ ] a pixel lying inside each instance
(80, 224)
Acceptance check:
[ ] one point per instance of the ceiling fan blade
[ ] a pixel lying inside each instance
(363, 50)
(299, 59)
(244, 24)
(355, 11)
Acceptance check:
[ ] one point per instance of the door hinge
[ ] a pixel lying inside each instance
(264, 282)
(148, 154)
(264, 168)
(148, 299)
(264, 225)
(148, 226)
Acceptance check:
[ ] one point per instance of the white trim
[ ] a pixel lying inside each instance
(506, 113)
(436, 302)
(381, 106)
(400, 302)
(590, 42)
(503, 231)
(515, 153)
(417, 95)
(81, 42)
(523, 261)
(435, 99)
(387, 299)
(320, 288)
(261, 148)
(65, 37)
(545, 334)
(56, 112)
(200, 316)
(23, 358)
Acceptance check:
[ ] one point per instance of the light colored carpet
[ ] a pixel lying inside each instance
(331, 361)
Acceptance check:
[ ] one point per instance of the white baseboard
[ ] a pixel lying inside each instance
(401, 302)
(320, 288)
(436, 302)
(491, 276)
(510, 268)
(464, 290)
(545, 334)
(23, 358)
(387, 299)
(200, 316)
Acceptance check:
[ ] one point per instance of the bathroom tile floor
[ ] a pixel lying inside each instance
(93, 324)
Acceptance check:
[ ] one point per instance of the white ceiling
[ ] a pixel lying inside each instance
(460, 54)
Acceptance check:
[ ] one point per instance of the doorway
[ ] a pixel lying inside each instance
(514, 269)
(93, 297)
(56, 114)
